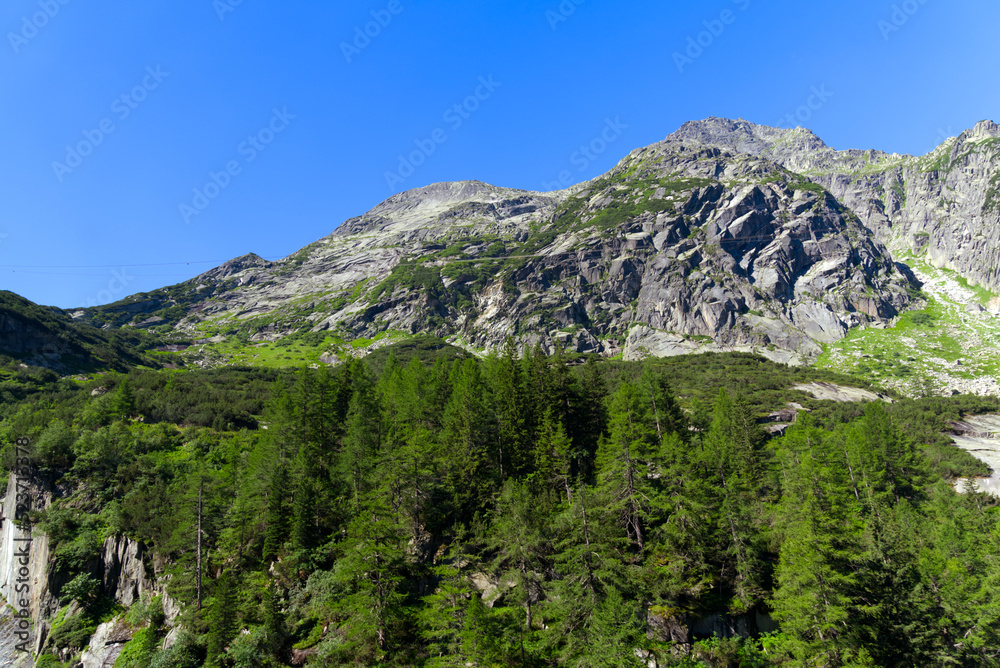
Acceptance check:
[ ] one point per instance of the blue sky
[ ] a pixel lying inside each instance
(287, 118)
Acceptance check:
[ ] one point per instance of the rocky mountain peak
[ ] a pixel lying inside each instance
(745, 137)
(982, 130)
(725, 235)
(235, 266)
(420, 208)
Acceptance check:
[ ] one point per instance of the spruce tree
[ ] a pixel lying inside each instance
(370, 572)
(222, 619)
(621, 469)
(278, 513)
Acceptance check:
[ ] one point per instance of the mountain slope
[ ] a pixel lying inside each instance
(677, 249)
(48, 337)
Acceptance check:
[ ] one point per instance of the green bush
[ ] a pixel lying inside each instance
(138, 652)
(83, 589)
(185, 653)
(54, 449)
(73, 633)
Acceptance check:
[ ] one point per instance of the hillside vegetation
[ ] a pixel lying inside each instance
(512, 511)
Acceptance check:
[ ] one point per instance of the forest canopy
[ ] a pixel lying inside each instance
(520, 510)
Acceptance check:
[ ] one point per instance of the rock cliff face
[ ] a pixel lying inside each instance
(945, 204)
(28, 582)
(25, 584)
(724, 236)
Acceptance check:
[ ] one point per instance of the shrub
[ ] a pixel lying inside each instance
(138, 651)
(73, 633)
(82, 589)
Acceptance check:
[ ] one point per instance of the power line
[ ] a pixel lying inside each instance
(105, 275)
(110, 266)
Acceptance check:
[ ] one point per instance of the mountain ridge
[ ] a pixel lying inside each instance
(726, 235)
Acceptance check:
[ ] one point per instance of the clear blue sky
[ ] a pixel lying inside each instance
(200, 77)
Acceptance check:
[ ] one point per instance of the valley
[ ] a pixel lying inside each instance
(708, 409)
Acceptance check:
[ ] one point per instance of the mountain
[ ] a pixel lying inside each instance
(945, 205)
(716, 238)
(48, 337)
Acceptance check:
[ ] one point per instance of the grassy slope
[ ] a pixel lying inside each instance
(938, 349)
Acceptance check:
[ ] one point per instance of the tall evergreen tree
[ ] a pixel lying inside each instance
(222, 619)
(370, 571)
(469, 441)
(622, 471)
(820, 534)
(514, 415)
(278, 513)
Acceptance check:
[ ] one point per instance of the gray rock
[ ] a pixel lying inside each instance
(124, 576)
(712, 235)
(106, 644)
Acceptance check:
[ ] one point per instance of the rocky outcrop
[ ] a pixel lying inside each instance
(125, 575)
(944, 205)
(681, 629)
(832, 392)
(28, 580)
(106, 644)
(24, 566)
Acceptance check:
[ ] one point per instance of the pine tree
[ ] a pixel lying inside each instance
(622, 473)
(521, 539)
(553, 460)
(590, 420)
(370, 570)
(573, 595)
(361, 442)
(442, 616)
(666, 412)
(480, 636)
(615, 632)
(884, 463)
(304, 515)
(123, 405)
(278, 513)
(468, 440)
(274, 619)
(820, 534)
(514, 415)
(222, 619)
(732, 449)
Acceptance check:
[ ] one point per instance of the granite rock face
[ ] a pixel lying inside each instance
(944, 205)
(718, 238)
(29, 581)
